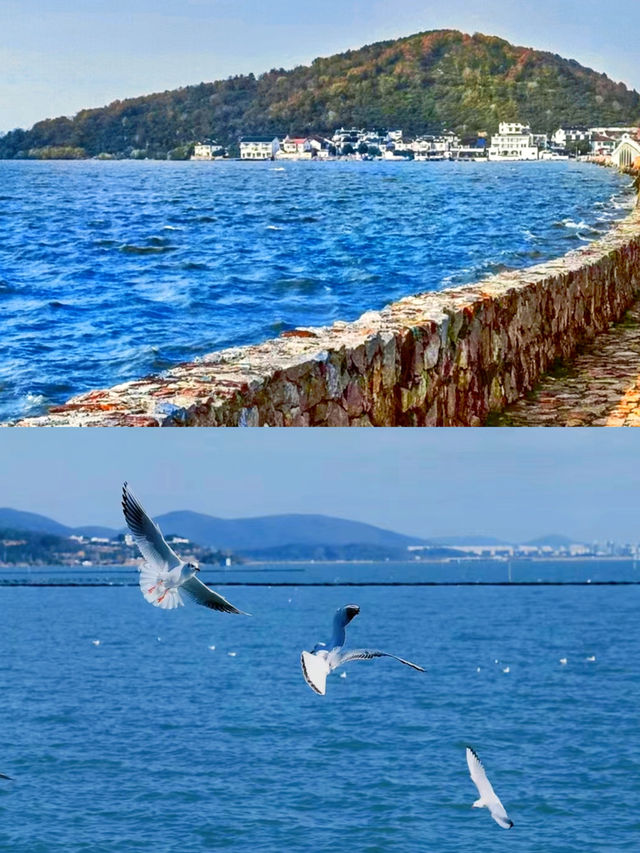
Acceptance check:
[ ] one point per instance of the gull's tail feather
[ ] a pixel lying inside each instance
(169, 600)
(156, 593)
(315, 670)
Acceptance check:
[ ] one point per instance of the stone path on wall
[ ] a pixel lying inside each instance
(600, 386)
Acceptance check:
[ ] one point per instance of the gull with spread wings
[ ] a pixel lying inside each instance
(163, 575)
(317, 664)
(488, 797)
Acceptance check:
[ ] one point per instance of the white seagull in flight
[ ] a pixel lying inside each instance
(317, 664)
(163, 575)
(488, 796)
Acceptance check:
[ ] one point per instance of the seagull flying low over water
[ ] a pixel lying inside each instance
(488, 796)
(317, 664)
(163, 575)
(8, 778)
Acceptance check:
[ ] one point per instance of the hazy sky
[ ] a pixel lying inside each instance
(58, 56)
(515, 484)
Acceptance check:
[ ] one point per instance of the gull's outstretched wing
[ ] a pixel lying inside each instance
(369, 654)
(147, 534)
(8, 778)
(488, 796)
(315, 670)
(202, 594)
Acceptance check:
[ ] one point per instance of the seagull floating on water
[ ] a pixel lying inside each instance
(163, 575)
(317, 664)
(488, 797)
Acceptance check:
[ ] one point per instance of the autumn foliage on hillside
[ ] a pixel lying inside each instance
(422, 83)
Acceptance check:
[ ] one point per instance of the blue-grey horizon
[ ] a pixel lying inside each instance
(511, 484)
(61, 56)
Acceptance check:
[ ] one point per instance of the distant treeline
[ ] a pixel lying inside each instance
(423, 83)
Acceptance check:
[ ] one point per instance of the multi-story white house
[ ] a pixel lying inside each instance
(295, 148)
(566, 136)
(513, 142)
(259, 147)
(602, 144)
(207, 151)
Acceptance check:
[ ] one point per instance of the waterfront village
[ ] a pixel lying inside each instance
(514, 141)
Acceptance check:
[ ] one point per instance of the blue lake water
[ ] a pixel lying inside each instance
(495, 571)
(153, 741)
(110, 271)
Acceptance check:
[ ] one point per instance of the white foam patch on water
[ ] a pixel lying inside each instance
(569, 223)
(34, 399)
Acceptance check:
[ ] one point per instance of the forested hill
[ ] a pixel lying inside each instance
(421, 83)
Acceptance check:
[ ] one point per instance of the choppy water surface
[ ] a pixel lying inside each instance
(109, 271)
(194, 731)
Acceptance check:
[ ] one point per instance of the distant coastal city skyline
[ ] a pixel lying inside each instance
(162, 48)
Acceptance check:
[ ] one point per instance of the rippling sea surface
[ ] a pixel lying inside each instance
(194, 731)
(110, 271)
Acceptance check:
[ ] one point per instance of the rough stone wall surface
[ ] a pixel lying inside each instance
(436, 359)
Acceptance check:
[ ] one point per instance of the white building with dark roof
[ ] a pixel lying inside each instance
(259, 147)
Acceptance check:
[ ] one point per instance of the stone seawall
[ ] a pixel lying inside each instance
(437, 359)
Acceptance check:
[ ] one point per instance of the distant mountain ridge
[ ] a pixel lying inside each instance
(238, 535)
(295, 533)
(19, 520)
(420, 83)
(275, 530)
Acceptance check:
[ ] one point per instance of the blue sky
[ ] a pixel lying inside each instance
(58, 56)
(510, 483)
